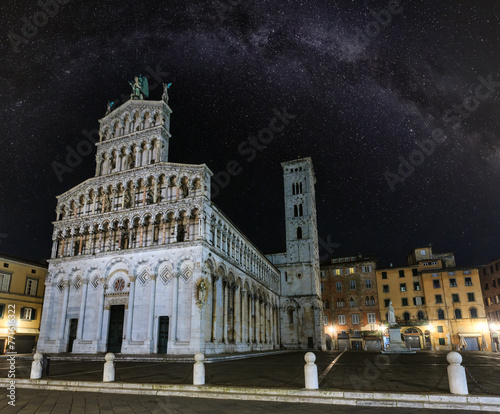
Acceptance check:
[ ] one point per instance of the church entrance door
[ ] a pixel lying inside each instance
(115, 333)
(73, 325)
(162, 334)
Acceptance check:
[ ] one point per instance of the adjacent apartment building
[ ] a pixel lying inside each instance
(438, 305)
(350, 304)
(22, 285)
(490, 285)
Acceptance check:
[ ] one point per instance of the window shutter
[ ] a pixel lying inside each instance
(22, 313)
(423, 300)
(414, 301)
(33, 314)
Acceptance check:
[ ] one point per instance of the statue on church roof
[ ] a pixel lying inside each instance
(140, 88)
(165, 91)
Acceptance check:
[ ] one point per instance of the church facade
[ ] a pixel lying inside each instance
(144, 262)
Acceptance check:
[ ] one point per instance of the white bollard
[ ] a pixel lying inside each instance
(456, 374)
(199, 369)
(109, 368)
(311, 372)
(36, 366)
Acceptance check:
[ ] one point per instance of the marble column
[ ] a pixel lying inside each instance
(226, 304)
(81, 316)
(214, 309)
(257, 319)
(244, 318)
(237, 314)
(175, 298)
(152, 301)
(64, 311)
(100, 310)
(130, 313)
(250, 320)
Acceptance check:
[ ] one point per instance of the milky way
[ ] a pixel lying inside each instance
(367, 82)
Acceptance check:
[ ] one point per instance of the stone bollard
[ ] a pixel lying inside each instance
(311, 372)
(199, 369)
(456, 374)
(36, 366)
(109, 368)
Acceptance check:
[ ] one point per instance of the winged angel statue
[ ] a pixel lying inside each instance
(140, 88)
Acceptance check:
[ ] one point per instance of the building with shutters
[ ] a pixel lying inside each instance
(144, 262)
(350, 301)
(22, 285)
(437, 305)
(490, 285)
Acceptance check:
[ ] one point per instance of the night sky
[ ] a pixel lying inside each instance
(359, 103)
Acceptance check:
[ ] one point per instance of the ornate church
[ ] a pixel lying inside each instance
(144, 262)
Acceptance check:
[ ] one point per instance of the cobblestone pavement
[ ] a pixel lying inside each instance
(355, 370)
(57, 402)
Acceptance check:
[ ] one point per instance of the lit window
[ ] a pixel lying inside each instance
(28, 314)
(402, 287)
(453, 283)
(372, 318)
(4, 282)
(350, 270)
(338, 271)
(31, 286)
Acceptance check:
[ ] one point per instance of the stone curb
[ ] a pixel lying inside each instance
(130, 358)
(366, 399)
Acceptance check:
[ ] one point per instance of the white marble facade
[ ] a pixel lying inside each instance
(143, 238)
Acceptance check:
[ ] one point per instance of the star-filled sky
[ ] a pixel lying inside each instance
(366, 82)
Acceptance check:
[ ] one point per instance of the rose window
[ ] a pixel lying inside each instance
(119, 284)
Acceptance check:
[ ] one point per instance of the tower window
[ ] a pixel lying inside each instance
(295, 211)
(301, 212)
(299, 233)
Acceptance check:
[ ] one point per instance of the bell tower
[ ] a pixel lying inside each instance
(302, 307)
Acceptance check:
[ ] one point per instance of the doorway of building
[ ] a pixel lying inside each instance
(162, 334)
(73, 326)
(310, 342)
(115, 332)
(472, 344)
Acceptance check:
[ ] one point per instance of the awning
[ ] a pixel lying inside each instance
(469, 335)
